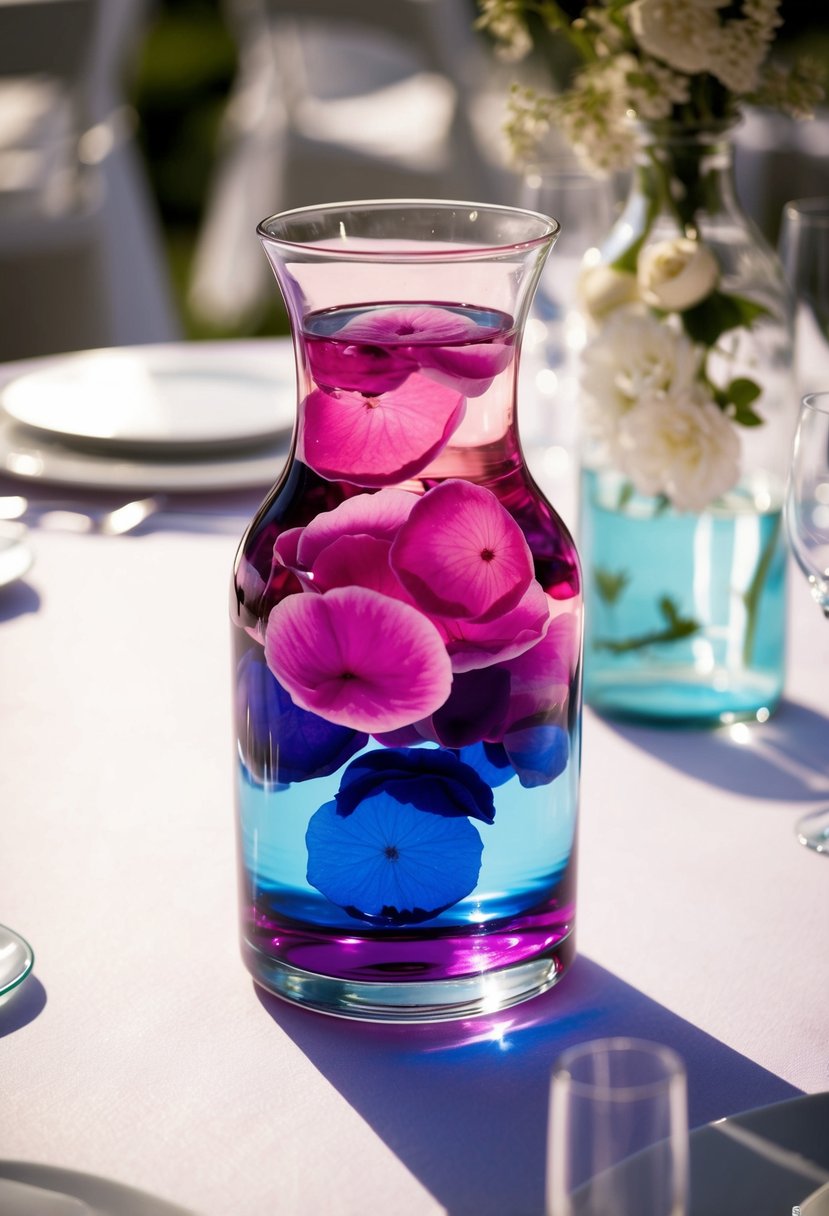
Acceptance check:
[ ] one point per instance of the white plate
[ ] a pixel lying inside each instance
(764, 1162)
(24, 454)
(15, 554)
(153, 400)
(101, 1197)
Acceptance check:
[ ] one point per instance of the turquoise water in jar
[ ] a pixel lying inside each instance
(685, 613)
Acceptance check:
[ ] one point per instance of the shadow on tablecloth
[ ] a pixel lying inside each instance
(785, 758)
(463, 1105)
(22, 1005)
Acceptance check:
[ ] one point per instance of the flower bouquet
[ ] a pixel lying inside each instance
(686, 399)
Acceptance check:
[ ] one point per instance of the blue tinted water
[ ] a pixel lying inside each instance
(715, 651)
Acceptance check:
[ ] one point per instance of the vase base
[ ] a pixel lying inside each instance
(411, 1001)
(656, 699)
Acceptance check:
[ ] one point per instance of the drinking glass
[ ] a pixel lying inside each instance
(807, 523)
(618, 1137)
(804, 251)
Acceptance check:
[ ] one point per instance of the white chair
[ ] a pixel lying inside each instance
(81, 260)
(334, 100)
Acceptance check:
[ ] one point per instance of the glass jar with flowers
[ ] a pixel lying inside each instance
(687, 407)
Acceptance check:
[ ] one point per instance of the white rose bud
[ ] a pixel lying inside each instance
(677, 274)
(602, 290)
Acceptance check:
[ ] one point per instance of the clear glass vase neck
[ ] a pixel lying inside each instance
(685, 172)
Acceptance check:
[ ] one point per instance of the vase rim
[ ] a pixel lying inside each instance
(540, 231)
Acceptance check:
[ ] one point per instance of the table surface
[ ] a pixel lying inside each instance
(141, 1051)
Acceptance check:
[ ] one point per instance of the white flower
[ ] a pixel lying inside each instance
(601, 290)
(682, 33)
(676, 274)
(743, 46)
(682, 446)
(633, 357)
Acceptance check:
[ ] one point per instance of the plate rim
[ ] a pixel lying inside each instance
(273, 355)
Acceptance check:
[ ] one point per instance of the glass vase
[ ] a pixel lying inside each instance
(406, 612)
(688, 414)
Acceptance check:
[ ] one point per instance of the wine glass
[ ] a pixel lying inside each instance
(804, 252)
(618, 1136)
(807, 523)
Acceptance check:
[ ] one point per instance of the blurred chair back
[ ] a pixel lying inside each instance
(81, 262)
(337, 99)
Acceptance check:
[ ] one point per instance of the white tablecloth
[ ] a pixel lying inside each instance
(140, 1050)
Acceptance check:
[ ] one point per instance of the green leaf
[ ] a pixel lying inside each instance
(717, 313)
(676, 628)
(743, 391)
(609, 586)
(735, 401)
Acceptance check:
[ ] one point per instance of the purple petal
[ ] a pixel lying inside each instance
(541, 676)
(377, 441)
(476, 709)
(461, 554)
(358, 658)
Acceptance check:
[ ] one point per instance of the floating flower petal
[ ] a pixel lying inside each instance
(470, 369)
(358, 561)
(460, 553)
(474, 644)
(401, 324)
(359, 368)
(476, 709)
(540, 677)
(376, 441)
(380, 515)
(281, 742)
(428, 778)
(539, 754)
(358, 658)
(490, 761)
(390, 863)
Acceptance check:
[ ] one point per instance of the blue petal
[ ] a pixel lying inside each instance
(388, 863)
(283, 743)
(538, 753)
(490, 761)
(438, 782)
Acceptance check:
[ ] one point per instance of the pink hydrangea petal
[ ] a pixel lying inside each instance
(358, 561)
(540, 677)
(358, 658)
(401, 323)
(286, 547)
(380, 515)
(357, 368)
(473, 644)
(377, 441)
(469, 369)
(460, 553)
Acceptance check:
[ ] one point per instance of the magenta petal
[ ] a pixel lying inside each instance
(358, 561)
(540, 677)
(377, 441)
(286, 547)
(358, 658)
(402, 323)
(380, 515)
(473, 644)
(357, 368)
(461, 554)
(469, 369)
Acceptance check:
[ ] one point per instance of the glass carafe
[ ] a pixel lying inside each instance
(406, 612)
